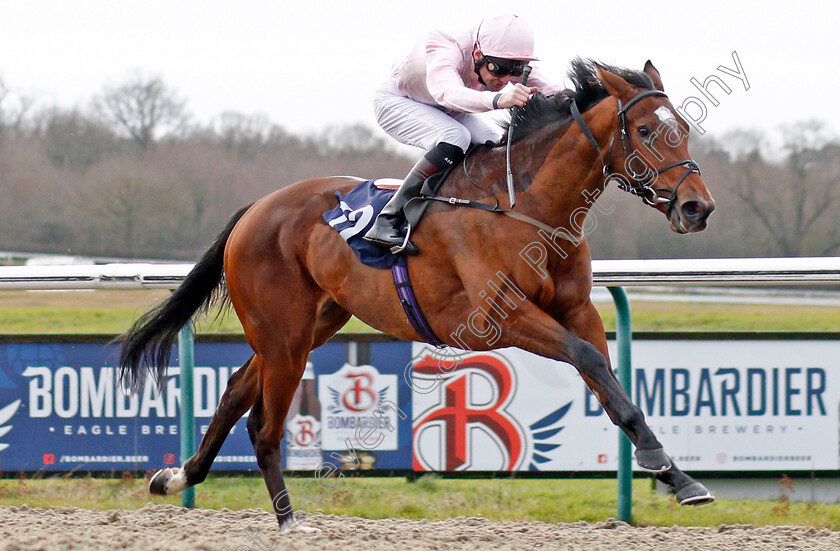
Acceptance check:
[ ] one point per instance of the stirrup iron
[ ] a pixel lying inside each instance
(407, 246)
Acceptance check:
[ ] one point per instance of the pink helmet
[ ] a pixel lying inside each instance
(506, 36)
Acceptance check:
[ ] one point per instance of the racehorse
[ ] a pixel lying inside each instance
(294, 282)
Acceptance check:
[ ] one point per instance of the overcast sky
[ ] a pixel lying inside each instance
(313, 63)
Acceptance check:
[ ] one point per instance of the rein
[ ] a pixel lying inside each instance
(641, 187)
(511, 191)
(457, 202)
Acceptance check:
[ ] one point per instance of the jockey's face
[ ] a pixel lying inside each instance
(492, 82)
(489, 79)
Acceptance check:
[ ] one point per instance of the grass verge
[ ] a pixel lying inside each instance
(433, 498)
(112, 312)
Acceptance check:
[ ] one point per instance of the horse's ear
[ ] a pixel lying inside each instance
(614, 84)
(651, 71)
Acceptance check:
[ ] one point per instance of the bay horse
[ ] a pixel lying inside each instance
(294, 282)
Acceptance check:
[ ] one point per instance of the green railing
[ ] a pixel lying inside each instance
(623, 339)
(186, 360)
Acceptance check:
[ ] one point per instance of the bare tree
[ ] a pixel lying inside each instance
(143, 108)
(352, 139)
(243, 134)
(13, 108)
(132, 206)
(796, 202)
(74, 140)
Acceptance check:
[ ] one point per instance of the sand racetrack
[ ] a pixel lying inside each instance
(164, 527)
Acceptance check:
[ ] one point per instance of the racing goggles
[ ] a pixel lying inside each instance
(499, 67)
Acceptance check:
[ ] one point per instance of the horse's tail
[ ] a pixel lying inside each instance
(147, 345)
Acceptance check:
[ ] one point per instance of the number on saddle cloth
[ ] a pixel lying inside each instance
(354, 215)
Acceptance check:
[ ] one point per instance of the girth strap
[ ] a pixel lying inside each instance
(412, 308)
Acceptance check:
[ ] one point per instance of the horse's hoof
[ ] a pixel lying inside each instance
(159, 481)
(301, 529)
(166, 482)
(653, 461)
(694, 494)
(296, 524)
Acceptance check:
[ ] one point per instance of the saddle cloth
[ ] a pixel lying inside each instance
(354, 216)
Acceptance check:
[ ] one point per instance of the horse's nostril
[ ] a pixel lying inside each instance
(692, 209)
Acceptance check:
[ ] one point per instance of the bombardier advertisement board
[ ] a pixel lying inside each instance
(742, 405)
(496, 411)
(70, 413)
(62, 409)
(715, 405)
(724, 405)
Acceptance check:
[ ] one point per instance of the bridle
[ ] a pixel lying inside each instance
(642, 184)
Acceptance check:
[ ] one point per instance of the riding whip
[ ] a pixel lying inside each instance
(526, 72)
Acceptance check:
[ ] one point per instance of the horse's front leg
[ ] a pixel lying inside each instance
(586, 324)
(593, 364)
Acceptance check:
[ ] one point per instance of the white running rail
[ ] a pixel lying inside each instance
(608, 273)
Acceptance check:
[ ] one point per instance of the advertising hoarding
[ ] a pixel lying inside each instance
(736, 405)
(61, 408)
(721, 405)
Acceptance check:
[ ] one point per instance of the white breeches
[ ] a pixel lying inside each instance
(418, 124)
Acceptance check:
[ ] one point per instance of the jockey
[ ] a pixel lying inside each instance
(432, 97)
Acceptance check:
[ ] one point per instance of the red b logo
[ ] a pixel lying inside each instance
(304, 435)
(460, 413)
(49, 459)
(359, 397)
(169, 459)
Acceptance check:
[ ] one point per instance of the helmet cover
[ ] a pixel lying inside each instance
(506, 36)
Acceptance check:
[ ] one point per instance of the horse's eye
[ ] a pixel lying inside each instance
(644, 131)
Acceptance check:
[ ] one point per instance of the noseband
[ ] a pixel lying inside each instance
(640, 186)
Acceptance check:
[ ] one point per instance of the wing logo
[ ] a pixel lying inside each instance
(358, 396)
(541, 431)
(6, 415)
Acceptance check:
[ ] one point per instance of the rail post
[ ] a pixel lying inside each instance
(623, 338)
(186, 361)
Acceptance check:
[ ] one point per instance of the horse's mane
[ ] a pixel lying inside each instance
(541, 111)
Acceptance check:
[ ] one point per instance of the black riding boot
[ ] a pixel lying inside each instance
(387, 229)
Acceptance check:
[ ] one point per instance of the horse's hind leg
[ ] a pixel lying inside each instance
(278, 381)
(237, 398)
(239, 395)
(331, 318)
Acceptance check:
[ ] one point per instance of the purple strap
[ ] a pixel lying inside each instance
(410, 305)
